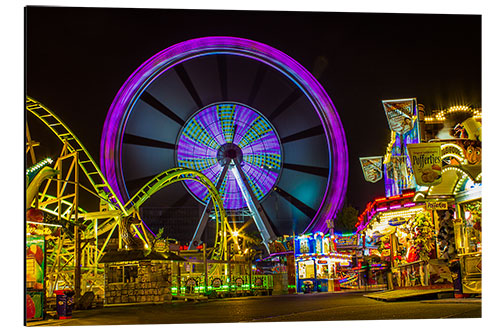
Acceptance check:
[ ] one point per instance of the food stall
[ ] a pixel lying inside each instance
(283, 269)
(404, 234)
(428, 227)
(39, 233)
(317, 262)
(456, 200)
(35, 277)
(458, 215)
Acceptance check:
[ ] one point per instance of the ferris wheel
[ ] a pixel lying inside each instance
(247, 116)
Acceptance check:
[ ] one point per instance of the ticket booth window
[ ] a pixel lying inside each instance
(306, 269)
(323, 272)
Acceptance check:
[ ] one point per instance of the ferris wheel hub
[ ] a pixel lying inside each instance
(228, 152)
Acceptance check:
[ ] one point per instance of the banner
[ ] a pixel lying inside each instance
(35, 262)
(372, 168)
(400, 114)
(34, 305)
(426, 163)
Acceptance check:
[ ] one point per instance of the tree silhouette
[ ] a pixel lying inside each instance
(346, 219)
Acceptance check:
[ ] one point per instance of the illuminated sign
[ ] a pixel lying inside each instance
(304, 246)
(35, 262)
(426, 163)
(436, 205)
(399, 114)
(372, 168)
(347, 240)
(160, 245)
(397, 221)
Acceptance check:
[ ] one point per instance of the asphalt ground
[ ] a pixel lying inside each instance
(284, 308)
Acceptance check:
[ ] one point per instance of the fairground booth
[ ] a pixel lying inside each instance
(317, 263)
(455, 201)
(399, 234)
(350, 274)
(427, 228)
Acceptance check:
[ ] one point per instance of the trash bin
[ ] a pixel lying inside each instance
(64, 303)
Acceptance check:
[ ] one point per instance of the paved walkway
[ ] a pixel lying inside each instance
(396, 295)
(314, 306)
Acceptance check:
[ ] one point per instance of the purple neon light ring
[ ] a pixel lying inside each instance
(131, 90)
(224, 131)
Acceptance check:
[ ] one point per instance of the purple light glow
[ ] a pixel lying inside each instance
(221, 121)
(111, 141)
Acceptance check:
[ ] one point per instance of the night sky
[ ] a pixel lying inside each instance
(78, 58)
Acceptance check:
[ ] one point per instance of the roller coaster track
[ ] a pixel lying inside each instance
(179, 174)
(104, 190)
(85, 161)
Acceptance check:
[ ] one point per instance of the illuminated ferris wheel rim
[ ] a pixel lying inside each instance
(137, 83)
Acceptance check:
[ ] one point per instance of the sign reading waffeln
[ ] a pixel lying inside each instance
(372, 168)
(436, 205)
(400, 113)
(426, 163)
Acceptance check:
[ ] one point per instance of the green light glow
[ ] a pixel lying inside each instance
(39, 165)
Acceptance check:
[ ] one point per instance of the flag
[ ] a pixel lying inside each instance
(400, 114)
(372, 168)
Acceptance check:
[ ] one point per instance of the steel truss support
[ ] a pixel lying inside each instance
(206, 214)
(253, 204)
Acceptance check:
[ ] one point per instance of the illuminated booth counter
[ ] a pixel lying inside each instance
(317, 262)
(401, 233)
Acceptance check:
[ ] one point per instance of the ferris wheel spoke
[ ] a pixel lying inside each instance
(188, 84)
(142, 141)
(313, 131)
(243, 124)
(222, 68)
(257, 83)
(159, 106)
(255, 132)
(312, 170)
(287, 102)
(308, 211)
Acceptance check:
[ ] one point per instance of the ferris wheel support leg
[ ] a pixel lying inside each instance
(253, 204)
(206, 213)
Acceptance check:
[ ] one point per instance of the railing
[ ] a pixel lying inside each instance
(193, 284)
(411, 274)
